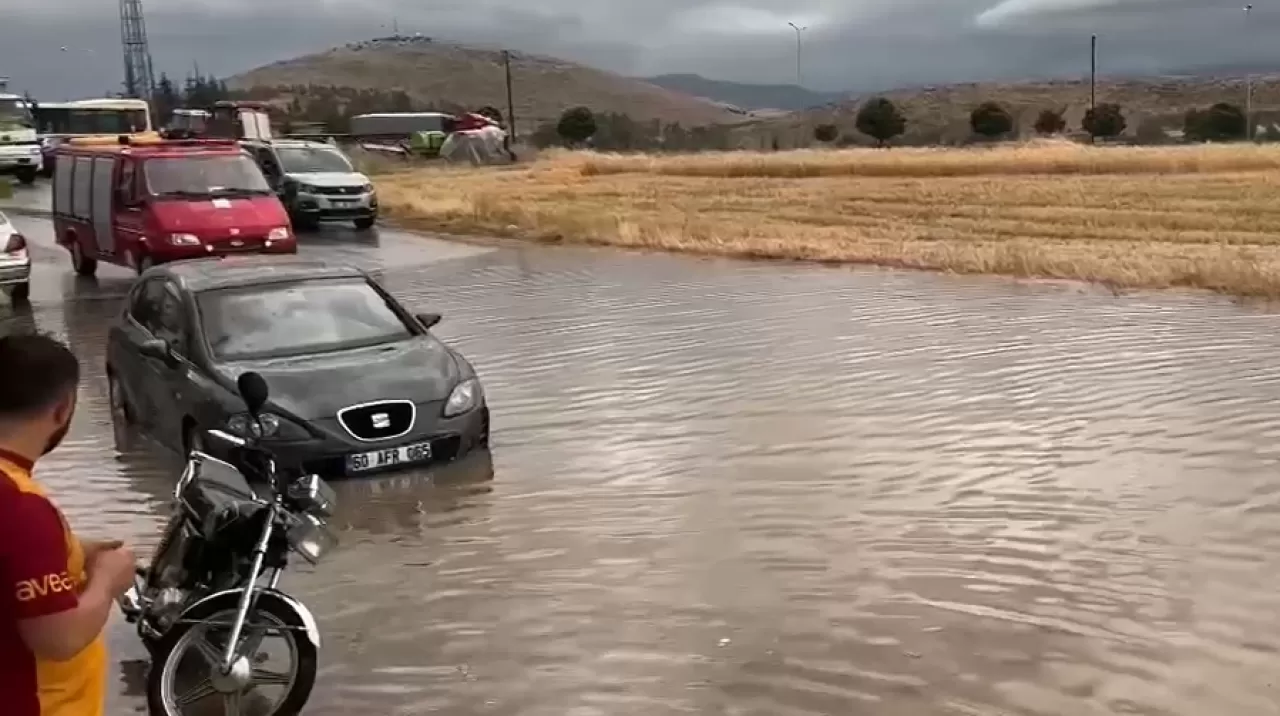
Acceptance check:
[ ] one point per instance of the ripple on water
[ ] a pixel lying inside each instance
(744, 489)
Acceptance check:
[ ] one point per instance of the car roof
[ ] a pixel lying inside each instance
(303, 143)
(197, 275)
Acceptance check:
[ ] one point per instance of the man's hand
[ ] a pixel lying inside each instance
(92, 547)
(116, 567)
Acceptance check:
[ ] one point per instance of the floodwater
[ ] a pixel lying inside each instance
(748, 489)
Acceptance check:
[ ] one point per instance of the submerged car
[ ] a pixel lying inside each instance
(358, 383)
(15, 263)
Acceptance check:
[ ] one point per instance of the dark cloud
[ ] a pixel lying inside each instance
(849, 44)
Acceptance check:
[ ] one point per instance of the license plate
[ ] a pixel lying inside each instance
(345, 202)
(403, 455)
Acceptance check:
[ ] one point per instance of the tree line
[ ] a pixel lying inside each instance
(879, 119)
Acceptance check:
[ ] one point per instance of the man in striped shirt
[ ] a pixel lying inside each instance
(58, 589)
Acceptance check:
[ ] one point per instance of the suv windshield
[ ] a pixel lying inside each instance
(312, 160)
(295, 319)
(14, 115)
(204, 176)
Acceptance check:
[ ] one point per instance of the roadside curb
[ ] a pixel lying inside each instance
(26, 211)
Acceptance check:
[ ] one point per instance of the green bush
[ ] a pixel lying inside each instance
(991, 120)
(881, 120)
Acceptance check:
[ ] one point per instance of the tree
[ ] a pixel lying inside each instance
(1222, 122)
(1051, 121)
(576, 125)
(166, 100)
(880, 119)
(991, 120)
(826, 133)
(1105, 120)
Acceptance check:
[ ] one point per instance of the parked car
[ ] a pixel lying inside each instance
(316, 182)
(15, 263)
(358, 383)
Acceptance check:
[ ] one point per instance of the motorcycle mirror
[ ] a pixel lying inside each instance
(253, 389)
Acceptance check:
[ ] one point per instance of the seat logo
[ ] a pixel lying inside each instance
(381, 421)
(32, 589)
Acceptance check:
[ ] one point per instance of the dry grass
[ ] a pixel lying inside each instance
(1198, 217)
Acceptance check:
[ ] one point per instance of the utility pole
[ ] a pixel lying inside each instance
(511, 105)
(1093, 72)
(1248, 86)
(799, 53)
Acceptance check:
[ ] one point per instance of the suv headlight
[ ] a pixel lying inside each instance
(465, 396)
(306, 189)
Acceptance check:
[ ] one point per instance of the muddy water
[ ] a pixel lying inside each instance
(722, 488)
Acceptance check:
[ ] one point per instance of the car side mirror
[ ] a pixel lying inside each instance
(429, 320)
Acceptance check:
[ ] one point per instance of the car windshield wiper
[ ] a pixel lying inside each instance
(230, 191)
(185, 194)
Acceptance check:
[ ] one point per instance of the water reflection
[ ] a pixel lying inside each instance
(723, 488)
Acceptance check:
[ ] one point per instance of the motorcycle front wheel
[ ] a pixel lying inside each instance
(185, 677)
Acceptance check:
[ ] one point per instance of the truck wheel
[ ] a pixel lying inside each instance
(26, 175)
(366, 223)
(82, 264)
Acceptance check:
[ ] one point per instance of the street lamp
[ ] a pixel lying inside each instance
(1248, 86)
(799, 67)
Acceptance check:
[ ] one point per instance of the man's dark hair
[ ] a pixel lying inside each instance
(35, 372)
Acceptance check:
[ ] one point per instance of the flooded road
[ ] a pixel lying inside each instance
(747, 489)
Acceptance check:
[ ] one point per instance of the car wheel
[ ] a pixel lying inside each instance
(365, 224)
(82, 264)
(27, 176)
(20, 294)
(120, 409)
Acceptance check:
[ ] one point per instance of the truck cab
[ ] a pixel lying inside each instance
(316, 182)
(139, 203)
(20, 154)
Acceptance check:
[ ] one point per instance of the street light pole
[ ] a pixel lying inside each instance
(799, 49)
(1248, 86)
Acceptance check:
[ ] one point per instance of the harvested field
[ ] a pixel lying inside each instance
(1204, 217)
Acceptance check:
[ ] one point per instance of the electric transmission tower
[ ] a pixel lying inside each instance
(138, 80)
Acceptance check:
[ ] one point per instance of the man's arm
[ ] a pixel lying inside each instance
(55, 622)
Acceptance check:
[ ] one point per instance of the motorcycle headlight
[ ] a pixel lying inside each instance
(309, 538)
(268, 425)
(465, 396)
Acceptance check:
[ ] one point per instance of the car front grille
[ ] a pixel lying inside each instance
(340, 190)
(383, 420)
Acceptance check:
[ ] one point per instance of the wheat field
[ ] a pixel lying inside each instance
(1203, 217)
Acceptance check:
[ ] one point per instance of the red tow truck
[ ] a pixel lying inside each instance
(140, 202)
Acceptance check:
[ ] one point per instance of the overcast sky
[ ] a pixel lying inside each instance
(60, 49)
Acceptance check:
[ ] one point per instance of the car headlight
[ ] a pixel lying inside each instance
(280, 233)
(184, 239)
(309, 538)
(368, 188)
(306, 189)
(465, 396)
(268, 425)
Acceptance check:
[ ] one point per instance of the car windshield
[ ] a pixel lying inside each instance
(14, 115)
(296, 319)
(204, 176)
(312, 160)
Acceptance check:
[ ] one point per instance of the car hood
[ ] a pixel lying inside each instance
(313, 387)
(330, 179)
(257, 214)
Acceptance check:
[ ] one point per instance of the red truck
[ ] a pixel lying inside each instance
(138, 203)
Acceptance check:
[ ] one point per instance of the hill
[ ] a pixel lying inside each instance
(441, 75)
(940, 114)
(745, 95)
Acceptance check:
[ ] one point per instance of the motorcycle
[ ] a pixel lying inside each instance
(210, 591)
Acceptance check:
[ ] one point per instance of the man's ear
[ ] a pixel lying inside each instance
(64, 408)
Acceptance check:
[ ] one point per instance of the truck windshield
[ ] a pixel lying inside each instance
(204, 176)
(312, 160)
(14, 114)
